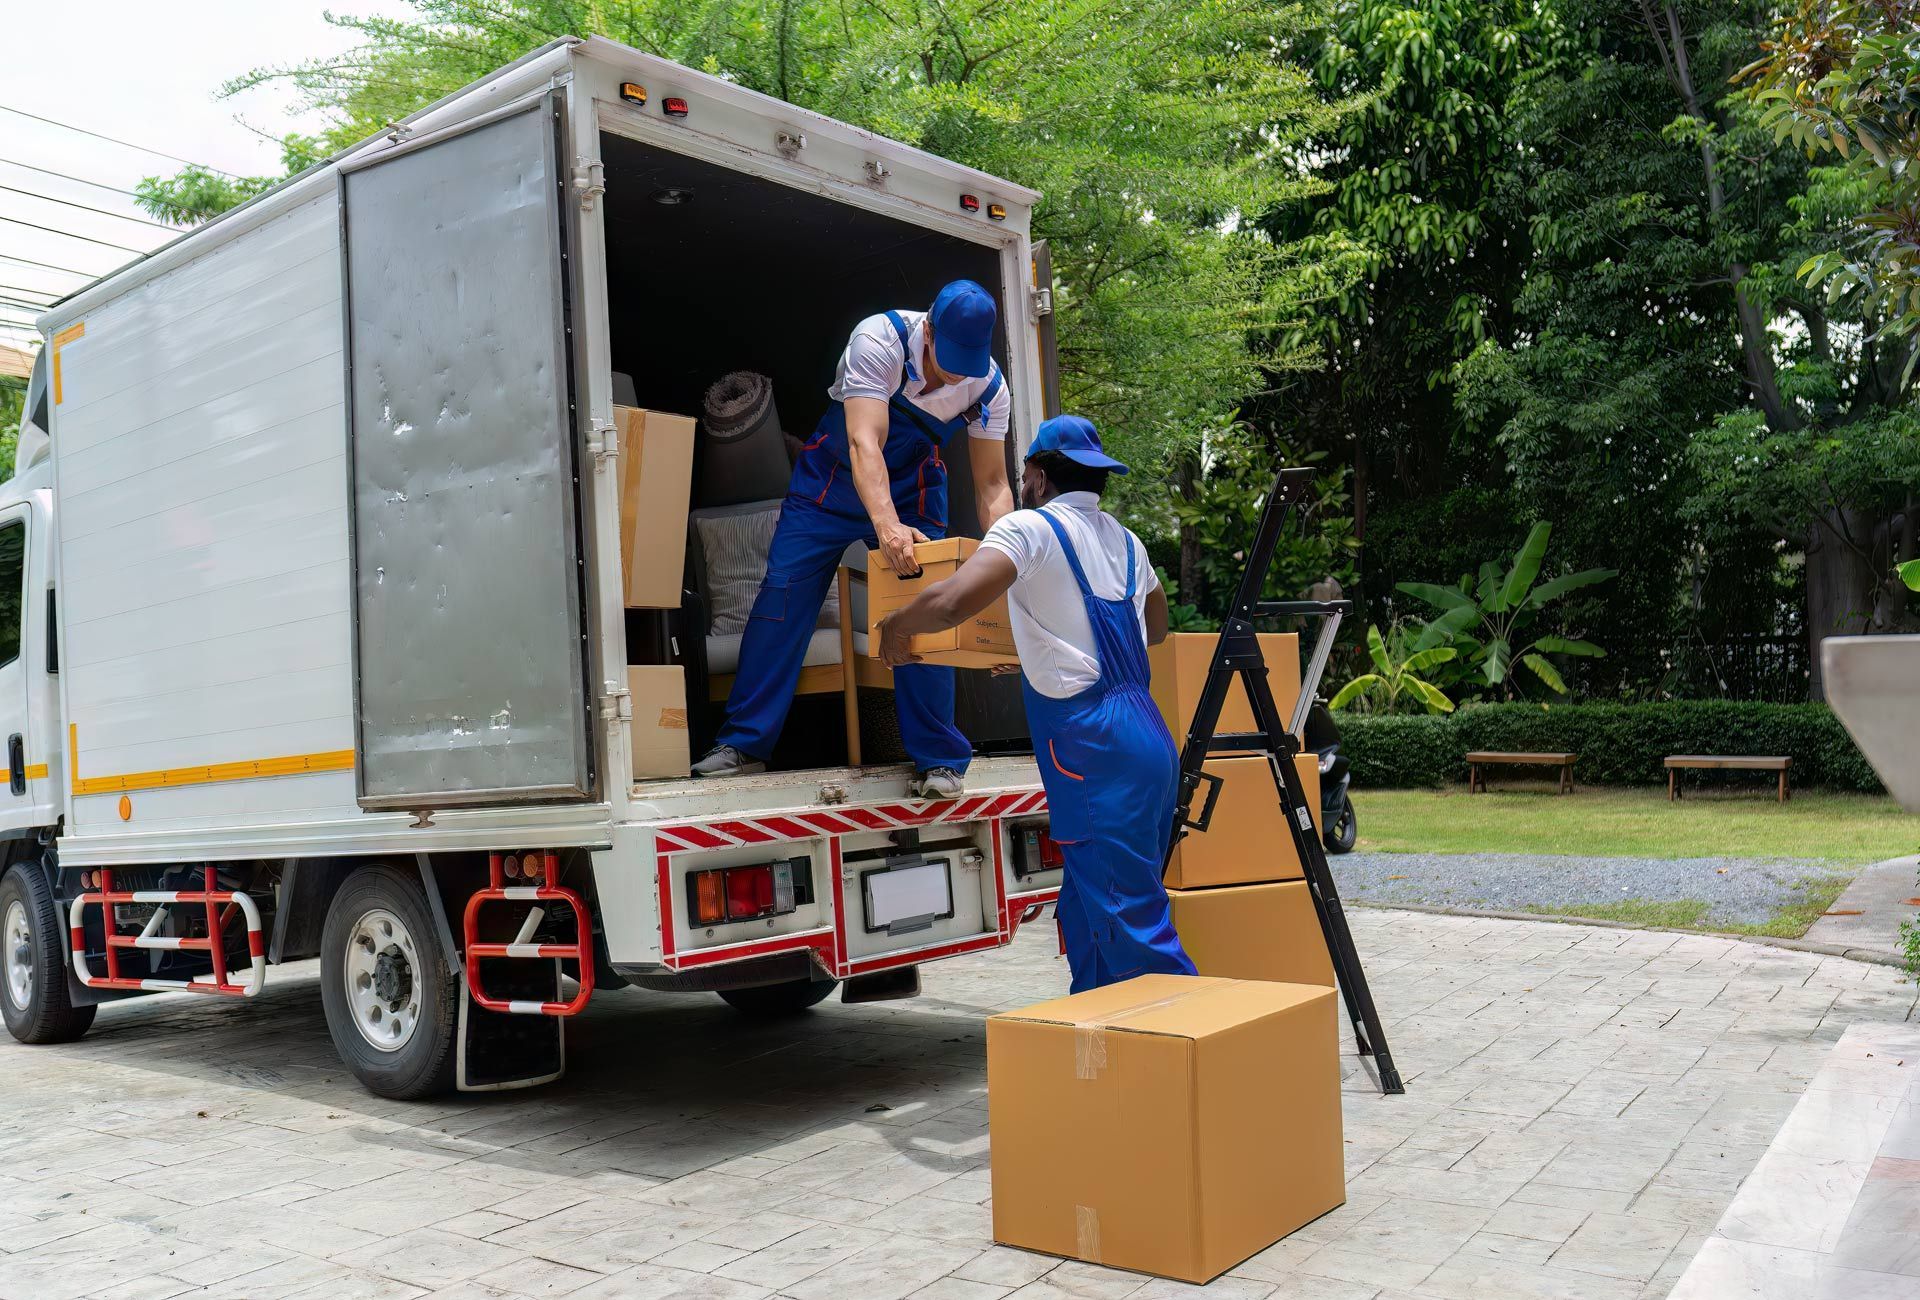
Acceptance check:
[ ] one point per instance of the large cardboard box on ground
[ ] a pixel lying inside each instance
(656, 487)
(658, 732)
(1173, 1124)
(982, 641)
(1179, 673)
(1247, 841)
(1254, 932)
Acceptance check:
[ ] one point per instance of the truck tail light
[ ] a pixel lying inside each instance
(674, 106)
(709, 908)
(968, 203)
(747, 893)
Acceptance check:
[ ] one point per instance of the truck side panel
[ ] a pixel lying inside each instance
(199, 453)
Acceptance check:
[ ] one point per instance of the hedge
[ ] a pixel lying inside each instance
(1618, 744)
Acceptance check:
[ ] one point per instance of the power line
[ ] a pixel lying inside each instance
(34, 225)
(88, 207)
(125, 144)
(77, 180)
(48, 266)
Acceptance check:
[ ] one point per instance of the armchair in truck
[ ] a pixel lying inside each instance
(726, 559)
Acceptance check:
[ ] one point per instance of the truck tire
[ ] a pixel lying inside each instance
(780, 999)
(33, 962)
(391, 998)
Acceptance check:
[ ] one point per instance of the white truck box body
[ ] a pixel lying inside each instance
(204, 560)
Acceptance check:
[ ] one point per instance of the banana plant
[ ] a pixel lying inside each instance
(1489, 620)
(1396, 675)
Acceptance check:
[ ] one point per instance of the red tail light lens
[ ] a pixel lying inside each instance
(968, 203)
(749, 892)
(674, 106)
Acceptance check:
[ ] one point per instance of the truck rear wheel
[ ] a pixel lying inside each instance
(392, 1000)
(780, 999)
(33, 962)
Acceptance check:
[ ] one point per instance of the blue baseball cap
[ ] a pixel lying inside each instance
(963, 317)
(1074, 437)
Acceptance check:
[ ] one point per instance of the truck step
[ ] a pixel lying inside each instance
(221, 905)
(522, 946)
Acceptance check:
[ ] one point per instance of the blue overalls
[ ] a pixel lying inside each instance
(1109, 767)
(820, 518)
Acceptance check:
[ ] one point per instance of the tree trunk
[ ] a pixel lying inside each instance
(1840, 589)
(1190, 582)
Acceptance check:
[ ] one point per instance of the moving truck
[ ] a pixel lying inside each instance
(312, 593)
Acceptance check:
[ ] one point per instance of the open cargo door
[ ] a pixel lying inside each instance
(470, 654)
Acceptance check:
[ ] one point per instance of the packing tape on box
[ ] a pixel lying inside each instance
(1089, 1051)
(1090, 1037)
(1086, 1233)
(673, 719)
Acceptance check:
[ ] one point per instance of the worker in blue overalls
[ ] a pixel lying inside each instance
(1085, 604)
(907, 384)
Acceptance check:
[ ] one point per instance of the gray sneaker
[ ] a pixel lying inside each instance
(936, 783)
(725, 760)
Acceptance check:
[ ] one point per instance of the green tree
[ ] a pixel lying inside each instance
(1159, 130)
(1396, 672)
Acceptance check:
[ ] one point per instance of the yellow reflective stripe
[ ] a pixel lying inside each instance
(336, 760)
(36, 771)
(76, 330)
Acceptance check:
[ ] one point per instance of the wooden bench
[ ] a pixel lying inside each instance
(1497, 758)
(1714, 762)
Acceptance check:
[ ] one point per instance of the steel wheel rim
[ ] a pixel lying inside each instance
(19, 950)
(382, 974)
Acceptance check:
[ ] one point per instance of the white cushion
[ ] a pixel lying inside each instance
(735, 543)
(723, 652)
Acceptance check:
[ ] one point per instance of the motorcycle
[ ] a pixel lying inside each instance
(1340, 827)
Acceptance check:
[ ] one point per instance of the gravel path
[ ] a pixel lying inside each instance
(1738, 891)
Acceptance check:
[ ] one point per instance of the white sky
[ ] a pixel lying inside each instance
(146, 72)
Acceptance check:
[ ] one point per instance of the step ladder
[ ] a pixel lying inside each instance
(1238, 652)
(544, 866)
(221, 905)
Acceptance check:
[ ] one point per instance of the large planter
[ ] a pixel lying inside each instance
(1873, 685)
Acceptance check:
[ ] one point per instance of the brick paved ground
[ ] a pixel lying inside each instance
(1581, 1105)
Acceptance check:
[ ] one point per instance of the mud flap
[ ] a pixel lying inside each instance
(500, 1051)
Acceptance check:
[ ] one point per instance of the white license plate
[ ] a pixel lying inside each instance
(907, 894)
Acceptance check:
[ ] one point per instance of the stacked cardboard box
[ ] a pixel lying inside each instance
(982, 641)
(1171, 1124)
(656, 486)
(1238, 891)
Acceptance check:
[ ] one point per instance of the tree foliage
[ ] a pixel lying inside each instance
(1158, 130)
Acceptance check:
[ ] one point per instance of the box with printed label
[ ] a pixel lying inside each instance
(982, 641)
(1179, 664)
(1254, 932)
(656, 487)
(1247, 841)
(1172, 1124)
(658, 730)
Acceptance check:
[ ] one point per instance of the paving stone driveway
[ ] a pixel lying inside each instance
(1581, 1105)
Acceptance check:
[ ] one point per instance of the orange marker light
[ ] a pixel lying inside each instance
(633, 92)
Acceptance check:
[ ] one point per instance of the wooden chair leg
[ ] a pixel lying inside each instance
(1673, 785)
(849, 679)
(1783, 785)
(1473, 777)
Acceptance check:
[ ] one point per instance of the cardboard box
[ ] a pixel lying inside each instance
(656, 488)
(1247, 841)
(982, 641)
(1172, 1124)
(658, 732)
(1254, 932)
(1179, 673)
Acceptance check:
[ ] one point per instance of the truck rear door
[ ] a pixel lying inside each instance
(471, 655)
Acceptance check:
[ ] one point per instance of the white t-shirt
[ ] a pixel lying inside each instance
(1050, 626)
(873, 364)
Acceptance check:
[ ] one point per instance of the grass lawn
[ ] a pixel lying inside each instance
(1850, 829)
